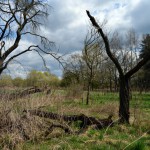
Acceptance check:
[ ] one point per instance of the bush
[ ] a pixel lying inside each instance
(41, 79)
(19, 82)
(5, 80)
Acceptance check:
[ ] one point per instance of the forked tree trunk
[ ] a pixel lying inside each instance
(124, 93)
(124, 97)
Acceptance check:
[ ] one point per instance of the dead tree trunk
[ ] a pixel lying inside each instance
(124, 77)
(124, 96)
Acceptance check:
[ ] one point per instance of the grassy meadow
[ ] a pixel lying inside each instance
(135, 136)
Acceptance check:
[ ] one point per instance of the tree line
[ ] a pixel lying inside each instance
(34, 78)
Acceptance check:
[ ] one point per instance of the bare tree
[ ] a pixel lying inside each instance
(124, 47)
(92, 55)
(124, 77)
(20, 18)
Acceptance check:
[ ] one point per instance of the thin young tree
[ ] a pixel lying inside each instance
(20, 19)
(124, 78)
(92, 57)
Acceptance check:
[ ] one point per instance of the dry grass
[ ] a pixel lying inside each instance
(106, 109)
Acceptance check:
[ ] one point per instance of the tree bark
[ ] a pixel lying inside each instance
(124, 97)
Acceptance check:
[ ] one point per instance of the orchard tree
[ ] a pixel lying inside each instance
(124, 77)
(19, 19)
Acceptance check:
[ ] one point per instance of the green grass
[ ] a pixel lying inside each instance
(101, 97)
(111, 140)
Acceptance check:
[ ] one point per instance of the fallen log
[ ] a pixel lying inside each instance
(85, 120)
(25, 93)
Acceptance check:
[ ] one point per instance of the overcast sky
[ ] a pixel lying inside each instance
(68, 23)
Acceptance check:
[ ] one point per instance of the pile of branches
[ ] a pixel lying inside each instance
(23, 127)
(25, 93)
(9, 122)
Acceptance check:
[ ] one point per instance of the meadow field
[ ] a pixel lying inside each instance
(135, 136)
